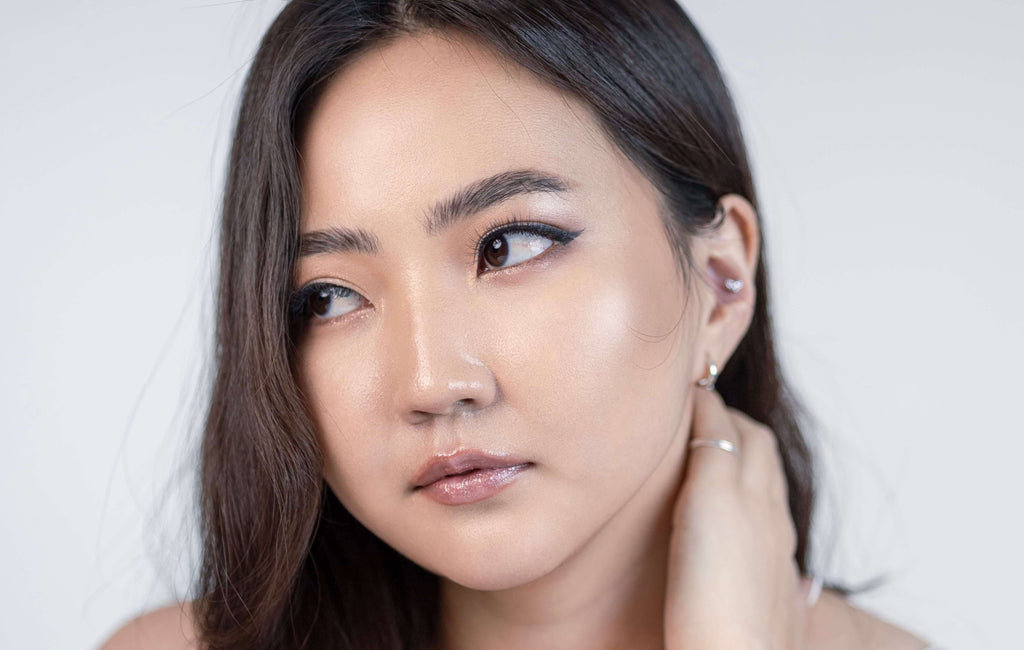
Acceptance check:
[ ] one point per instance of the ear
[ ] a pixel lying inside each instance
(730, 252)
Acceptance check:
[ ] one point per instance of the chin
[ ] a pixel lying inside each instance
(492, 562)
(496, 573)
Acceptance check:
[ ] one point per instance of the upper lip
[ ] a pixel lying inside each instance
(464, 460)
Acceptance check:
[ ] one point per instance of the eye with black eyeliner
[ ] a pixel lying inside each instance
(512, 226)
(317, 299)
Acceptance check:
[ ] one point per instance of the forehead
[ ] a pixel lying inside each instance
(406, 123)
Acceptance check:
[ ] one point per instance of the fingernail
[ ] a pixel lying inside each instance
(813, 589)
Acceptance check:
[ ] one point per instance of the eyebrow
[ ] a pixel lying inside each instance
(444, 214)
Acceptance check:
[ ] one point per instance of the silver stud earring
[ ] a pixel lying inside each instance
(708, 380)
(733, 286)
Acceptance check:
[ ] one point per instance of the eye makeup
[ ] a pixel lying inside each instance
(512, 225)
(308, 303)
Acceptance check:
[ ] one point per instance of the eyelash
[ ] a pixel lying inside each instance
(509, 225)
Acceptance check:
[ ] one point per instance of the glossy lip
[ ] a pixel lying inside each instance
(461, 461)
(473, 486)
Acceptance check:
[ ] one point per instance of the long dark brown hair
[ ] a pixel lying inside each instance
(283, 562)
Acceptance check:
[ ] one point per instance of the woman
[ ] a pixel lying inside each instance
(495, 365)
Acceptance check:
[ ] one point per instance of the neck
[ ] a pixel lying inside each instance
(609, 594)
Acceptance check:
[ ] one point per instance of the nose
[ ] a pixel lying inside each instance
(435, 346)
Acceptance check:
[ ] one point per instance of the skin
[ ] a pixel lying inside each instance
(563, 557)
(604, 541)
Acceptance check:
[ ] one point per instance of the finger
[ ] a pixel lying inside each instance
(804, 593)
(763, 475)
(711, 465)
(762, 470)
(800, 608)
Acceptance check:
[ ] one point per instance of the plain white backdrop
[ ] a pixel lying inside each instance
(886, 139)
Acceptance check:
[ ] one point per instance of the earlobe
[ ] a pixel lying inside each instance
(707, 382)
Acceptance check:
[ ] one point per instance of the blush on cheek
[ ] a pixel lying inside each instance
(618, 332)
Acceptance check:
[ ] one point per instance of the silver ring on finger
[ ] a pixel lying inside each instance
(718, 443)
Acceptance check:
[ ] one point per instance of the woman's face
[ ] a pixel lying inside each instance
(575, 356)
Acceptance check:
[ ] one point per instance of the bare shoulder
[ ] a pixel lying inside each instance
(166, 628)
(836, 624)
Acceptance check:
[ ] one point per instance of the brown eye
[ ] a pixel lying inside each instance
(323, 301)
(515, 246)
(496, 251)
(319, 303)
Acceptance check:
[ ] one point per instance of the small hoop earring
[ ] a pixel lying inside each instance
(707, 382)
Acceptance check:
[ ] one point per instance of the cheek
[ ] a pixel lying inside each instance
(601, 363)
(339, 378)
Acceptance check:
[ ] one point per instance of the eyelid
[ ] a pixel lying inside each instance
(510, 224)
(297, 299)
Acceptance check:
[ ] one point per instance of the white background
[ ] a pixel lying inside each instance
(886, 138)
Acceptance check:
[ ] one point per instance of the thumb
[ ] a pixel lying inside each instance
(803, 593)
(810, 588)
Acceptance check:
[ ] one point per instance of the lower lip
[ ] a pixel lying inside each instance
(475, 486)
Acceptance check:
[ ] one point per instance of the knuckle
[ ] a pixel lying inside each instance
(765, 440)
(768, 436)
